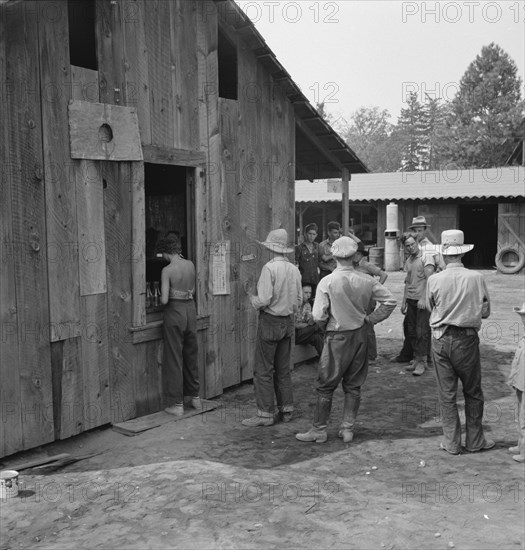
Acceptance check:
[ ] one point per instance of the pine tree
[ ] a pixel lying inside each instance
(412, 133)
(436, 133)
(486, 113)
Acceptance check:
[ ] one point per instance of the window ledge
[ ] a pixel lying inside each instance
(153, 330)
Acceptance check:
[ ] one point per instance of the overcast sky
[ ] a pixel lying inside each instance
(355, 53)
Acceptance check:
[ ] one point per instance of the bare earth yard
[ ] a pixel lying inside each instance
(208, 482)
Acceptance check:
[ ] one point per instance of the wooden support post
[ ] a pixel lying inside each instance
(345, 177)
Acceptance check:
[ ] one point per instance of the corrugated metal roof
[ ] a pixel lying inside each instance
(508, 182)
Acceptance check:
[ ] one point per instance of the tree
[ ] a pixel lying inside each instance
(436, 133)
(413, 129)
(369, 135)
(486, 113)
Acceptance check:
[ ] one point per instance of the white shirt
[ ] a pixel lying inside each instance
(279, 290)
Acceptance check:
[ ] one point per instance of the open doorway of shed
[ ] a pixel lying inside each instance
(479, 223)
(168, 209)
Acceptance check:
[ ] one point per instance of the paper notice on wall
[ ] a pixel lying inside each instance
(221, 268)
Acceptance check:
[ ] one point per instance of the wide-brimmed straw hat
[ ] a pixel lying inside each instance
(419, 221)
(453, 243)
(344, 247)
(277, 241)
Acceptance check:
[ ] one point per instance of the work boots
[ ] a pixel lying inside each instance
(350, 410)
(317, 432)
(419, 365)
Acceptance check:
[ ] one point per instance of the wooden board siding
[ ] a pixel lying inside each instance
(209, 138)
(95, 361)
(77, 351)
(228, 329)
(157, 28)
(109, 15)
(68, 395)
(511, 226)
(99, 131)
(32, 392)
(136, 65)
(11, 424)
(61, 220)
(90, 217)
(118, 233)
(250, 195)
(184, 73)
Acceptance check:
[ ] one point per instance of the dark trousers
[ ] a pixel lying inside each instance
(418, 329)
(312, 334)
(271, 374)
(456, 357)
(344, 357)
(180, 367)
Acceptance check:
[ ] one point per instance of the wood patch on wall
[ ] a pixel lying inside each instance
(100, 131)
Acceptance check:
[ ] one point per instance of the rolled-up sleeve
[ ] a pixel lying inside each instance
(321, 305)
(387, 303)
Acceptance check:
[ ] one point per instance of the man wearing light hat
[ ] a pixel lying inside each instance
(419, 228)
(458, 299)
(342, 301)
(279, 295)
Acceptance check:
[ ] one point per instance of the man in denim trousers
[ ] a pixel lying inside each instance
(342, 301)
(279, 295)
(458, 299)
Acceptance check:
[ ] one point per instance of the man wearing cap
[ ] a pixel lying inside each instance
(458, 299)
(342, 302)
(279, 295)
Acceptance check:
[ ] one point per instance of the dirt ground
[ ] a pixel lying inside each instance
(208, 482)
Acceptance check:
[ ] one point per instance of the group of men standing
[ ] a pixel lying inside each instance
(440, 295)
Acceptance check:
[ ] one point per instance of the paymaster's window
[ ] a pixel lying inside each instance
(168, 211)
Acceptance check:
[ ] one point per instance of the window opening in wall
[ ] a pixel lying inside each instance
(82, 43)
(227, 54)
(167, 205)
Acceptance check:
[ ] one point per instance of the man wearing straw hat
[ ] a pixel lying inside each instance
(279, 295)
(458, 299)
(342, 301)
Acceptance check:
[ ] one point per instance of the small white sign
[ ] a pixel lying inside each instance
(334, 187)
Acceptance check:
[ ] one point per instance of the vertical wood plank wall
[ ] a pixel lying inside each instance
(511, 226)
(67, 358)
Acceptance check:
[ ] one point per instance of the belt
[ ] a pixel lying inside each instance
(460, 331)
(278, 316)
(180, 295)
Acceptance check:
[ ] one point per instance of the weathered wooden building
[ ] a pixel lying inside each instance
(487, 205)
(120, 122)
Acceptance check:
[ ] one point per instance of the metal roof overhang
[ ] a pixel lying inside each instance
(507, 182)
(320, 152)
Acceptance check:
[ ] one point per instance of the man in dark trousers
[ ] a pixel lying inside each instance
(342, 302)
(458, 299)
(419, 267)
